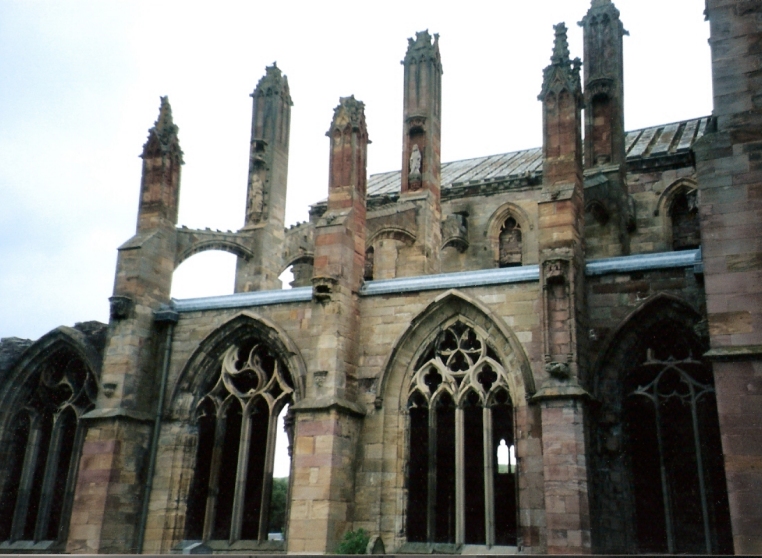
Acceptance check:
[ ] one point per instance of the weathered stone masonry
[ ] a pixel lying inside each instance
(548, 351)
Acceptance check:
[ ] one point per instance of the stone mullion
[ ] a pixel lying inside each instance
(71, 480)
(431, 495)
(48, 482)
(489, 478)
(27, 475)
(460, 473)
(267, 481)
(214, 477)
(240, 477)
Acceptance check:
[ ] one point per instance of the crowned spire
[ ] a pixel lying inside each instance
(562, 73)
(162, 138)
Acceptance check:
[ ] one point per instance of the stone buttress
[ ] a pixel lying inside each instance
(263, 231)
(610, 216)
(561, 246)
(729, 170)
(421, 150)
(328, 420)
(110, 485)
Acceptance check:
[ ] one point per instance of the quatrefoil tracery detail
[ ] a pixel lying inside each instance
(459, 361)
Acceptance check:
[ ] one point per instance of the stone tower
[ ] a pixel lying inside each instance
(421, 147)
(562, 264)
(266, 191)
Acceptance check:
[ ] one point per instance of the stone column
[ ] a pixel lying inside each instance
(109, 490)
(729, 171)
(328, 421)
(561, 245)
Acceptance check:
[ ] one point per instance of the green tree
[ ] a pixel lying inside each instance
(278, 505)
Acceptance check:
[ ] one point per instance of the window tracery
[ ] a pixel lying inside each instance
(230, 498)
(460, 410)
(43, 451)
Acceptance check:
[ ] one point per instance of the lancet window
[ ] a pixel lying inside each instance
(231, 497)
(461, 431)
(42, 451)
(510, 244)
(675, 453)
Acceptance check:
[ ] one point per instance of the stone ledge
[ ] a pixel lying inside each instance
(560, 392)
(736, 352)
(97, 414)
(332, 402)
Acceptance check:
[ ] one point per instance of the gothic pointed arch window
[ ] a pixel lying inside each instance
(460, 416)
(41, 451)
(231, 497)
(673, 444)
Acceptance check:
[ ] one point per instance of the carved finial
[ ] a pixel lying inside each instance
(162, 138)
(562, 72)
(274, 82)
(561, 44)
(423, 48)
(350, 112)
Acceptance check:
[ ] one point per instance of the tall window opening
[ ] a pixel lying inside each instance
(370, 256)
(43, 450)
(686, 230)
(232, 496)
(673, 443)
(510, 244)
(460, 410)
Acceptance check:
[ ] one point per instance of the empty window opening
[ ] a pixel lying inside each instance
(240, 485)
(456, 491)
(45, 447)
(370, 255)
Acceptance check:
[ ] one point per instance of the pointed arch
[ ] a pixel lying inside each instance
(50, 388)
(524, 225)
(197, 372)
(424, 328)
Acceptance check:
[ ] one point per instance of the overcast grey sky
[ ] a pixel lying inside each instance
(81, 80)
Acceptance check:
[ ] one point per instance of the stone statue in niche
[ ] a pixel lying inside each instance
(256, 199)
(414, 178)
(415, 161)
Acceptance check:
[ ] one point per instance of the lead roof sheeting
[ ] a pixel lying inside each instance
(665, 139)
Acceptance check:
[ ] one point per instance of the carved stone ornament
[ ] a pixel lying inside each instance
(559, 370)
(120, 307)
(415, 161)
(555, 271)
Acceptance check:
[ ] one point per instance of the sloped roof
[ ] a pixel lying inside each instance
(640, 145)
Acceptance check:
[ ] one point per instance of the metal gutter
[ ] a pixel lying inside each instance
(458, 280)
(644, 262)
(462, 279)
(239, 300)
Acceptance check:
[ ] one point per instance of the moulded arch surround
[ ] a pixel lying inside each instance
(441, 312)
(396, 233)
(496, 222)
(666, 198)
(654, 307)
(18, 380)
(206, 358)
